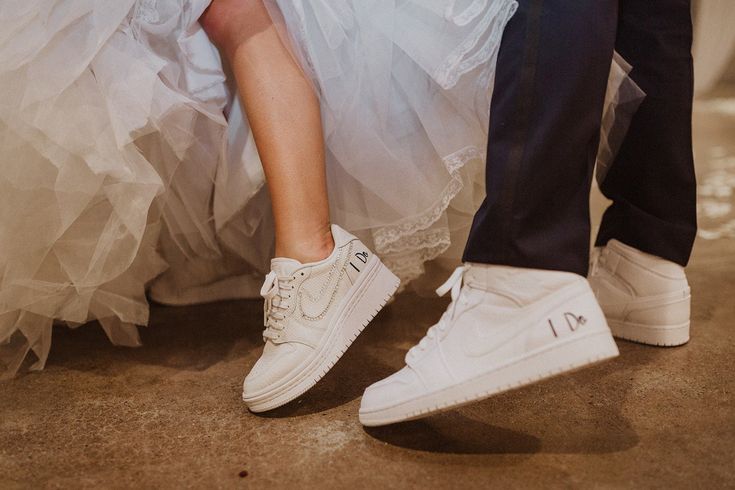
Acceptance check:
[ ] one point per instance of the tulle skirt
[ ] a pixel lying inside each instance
(127, 164)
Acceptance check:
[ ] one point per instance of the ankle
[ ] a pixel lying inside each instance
(306, 249)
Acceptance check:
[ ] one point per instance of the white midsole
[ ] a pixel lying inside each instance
(662, 335)
(562, 355)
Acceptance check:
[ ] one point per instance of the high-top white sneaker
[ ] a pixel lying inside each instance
(313, 313)
(506, 327)
(645, 298)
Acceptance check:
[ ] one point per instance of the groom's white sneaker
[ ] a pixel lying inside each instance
(505, 327)
(313, 312)
(645, 298)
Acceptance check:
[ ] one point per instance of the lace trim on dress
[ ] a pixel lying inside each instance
(405, 247)
(458, 62)
(386, 236)
(396, 242)
(411, 266)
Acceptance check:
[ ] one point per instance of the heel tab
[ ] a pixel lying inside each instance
(341, 236)
(643, 260)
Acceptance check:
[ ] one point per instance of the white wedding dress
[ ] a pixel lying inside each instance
(126, 162)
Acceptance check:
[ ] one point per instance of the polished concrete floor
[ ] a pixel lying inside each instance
(169, 415)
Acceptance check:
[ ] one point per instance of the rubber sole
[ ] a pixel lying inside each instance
(660, 336)
(366, 298)
(557, 358)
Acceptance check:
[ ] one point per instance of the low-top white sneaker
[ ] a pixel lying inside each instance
(505, 328)
(313, 313)
(645, 298)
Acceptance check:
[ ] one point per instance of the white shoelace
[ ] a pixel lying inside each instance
(453, 284)
(276, 292)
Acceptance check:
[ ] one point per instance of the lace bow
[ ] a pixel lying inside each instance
(453, 284)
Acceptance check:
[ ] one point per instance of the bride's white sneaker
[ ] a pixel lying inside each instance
(645, 298)
(313, 312)
(505, 327)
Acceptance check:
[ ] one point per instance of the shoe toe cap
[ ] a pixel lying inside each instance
(401, 386)
(275, 365)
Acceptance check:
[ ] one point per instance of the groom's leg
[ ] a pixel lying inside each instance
(652, 182)
(552, 73)
(517, 325)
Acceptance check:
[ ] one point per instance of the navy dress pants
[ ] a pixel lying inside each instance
(547, 104)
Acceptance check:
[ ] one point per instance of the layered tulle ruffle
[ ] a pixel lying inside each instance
(111, 132)
(404, 87)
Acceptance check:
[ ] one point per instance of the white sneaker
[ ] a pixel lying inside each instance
(506, 327)
(645, 298)
(313, 313)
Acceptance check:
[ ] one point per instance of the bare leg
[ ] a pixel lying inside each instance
(284, 114)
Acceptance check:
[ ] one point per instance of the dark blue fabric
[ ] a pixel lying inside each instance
(652, 183)
(547, 105)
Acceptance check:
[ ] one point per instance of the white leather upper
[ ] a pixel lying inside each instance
(305, 308)
(637, 287)
(490, 321)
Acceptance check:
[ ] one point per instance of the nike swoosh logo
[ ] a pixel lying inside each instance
(480, 342)
(315, 307)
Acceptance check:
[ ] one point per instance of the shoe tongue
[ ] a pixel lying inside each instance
(285, 267)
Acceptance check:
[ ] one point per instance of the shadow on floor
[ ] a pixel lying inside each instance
(564, 415)
(192, 338)
(453, 433)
